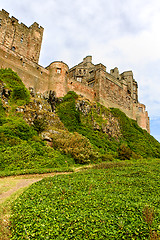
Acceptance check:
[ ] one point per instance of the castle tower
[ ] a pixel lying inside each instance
(19, 38)
(132, 87)
(58, 76)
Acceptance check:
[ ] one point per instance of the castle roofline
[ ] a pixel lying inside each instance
(35, 24)
(127, 73)
(57, 62)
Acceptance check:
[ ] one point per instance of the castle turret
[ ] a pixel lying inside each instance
(58, 76)
(115, 72)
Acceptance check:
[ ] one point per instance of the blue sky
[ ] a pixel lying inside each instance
(117, 33)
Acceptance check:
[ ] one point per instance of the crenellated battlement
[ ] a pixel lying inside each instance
(16, 36)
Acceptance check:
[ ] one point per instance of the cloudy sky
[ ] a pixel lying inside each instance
(122, 33)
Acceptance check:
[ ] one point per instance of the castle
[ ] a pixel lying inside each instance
(20, 49)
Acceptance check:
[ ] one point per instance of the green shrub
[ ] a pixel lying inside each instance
(67, 112)
(19, 93)
(18, 128)
(70, 96)
(75, 145)
(124, 152)
(10, 78)
(32, 155)
(40, 124)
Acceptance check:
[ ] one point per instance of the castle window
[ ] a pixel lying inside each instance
(58, 70)
(134, 96)
(22, 39)
(79, 79)
(0, 22)
(13, 48)
(140, 109)
(80, 71)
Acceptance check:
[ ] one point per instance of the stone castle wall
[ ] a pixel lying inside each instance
(20, 49)
(18, 37)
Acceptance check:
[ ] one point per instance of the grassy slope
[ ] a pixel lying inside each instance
(141, 143)
(115, 203)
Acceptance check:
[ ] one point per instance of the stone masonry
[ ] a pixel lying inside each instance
(20, 49)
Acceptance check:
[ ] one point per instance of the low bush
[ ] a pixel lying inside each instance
(75, 145)
(15, 128)
(40, 124)
(32, 155)
(124, 152)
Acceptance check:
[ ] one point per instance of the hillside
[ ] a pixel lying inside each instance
(41, 133)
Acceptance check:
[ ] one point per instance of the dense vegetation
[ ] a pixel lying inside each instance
(137, 139)
(109, 203)
(21, 149)
(132, 142)
(18, 92)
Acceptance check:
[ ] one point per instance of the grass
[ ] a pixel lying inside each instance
(35, 171)
(111, 202)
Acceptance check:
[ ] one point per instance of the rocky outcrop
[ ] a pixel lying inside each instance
(100, 117)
